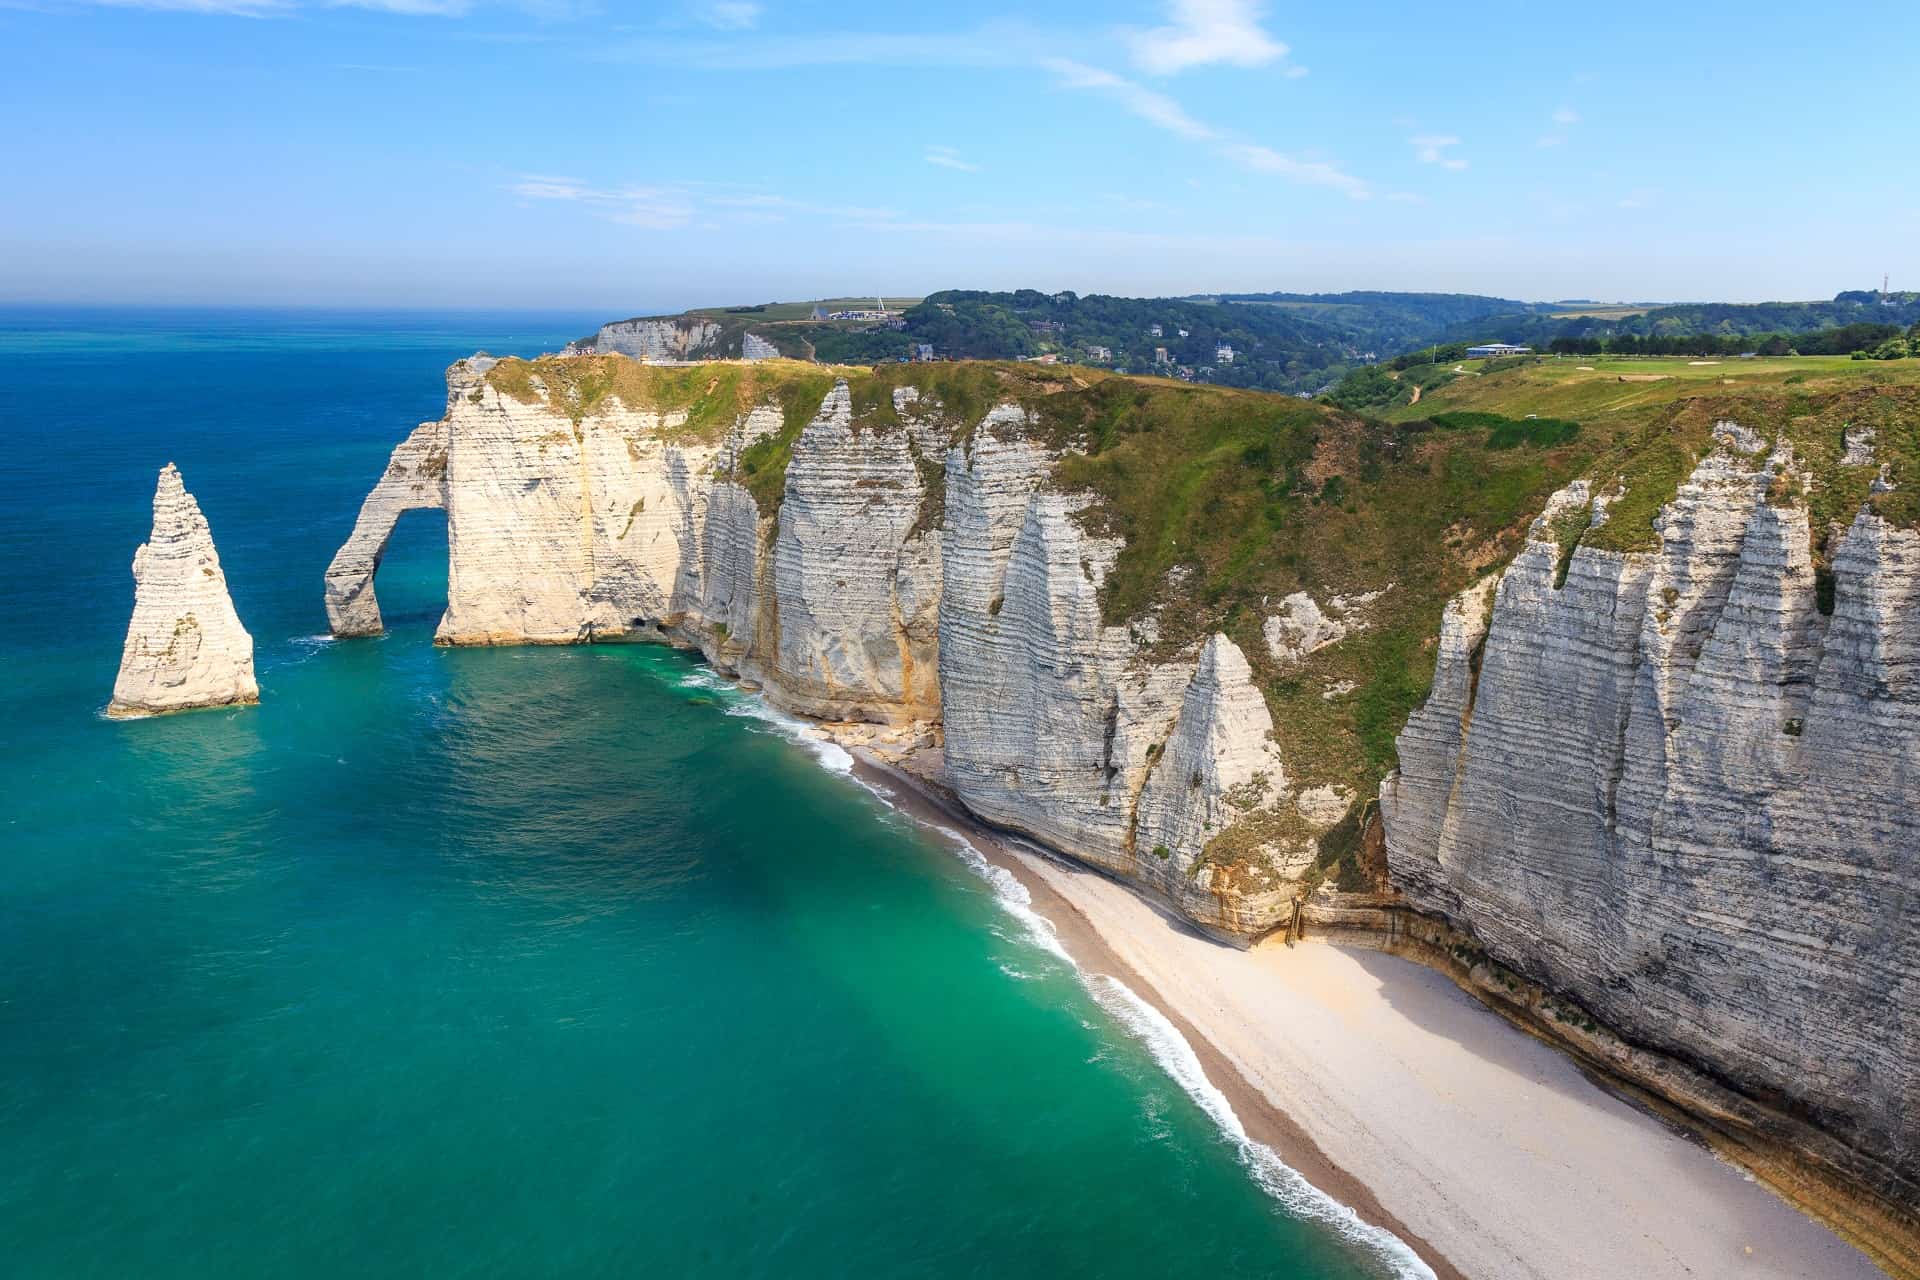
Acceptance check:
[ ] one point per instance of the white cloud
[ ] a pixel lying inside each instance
(1313, 173)
(995, 44)
(656, 208)
(411, 8)
(1432, 148)
(1149, 104)
(948, 158)
(760, 200)
(1203, 32)
(1639, 198)
(225, 8)
(1551, 140)
(281, 8)
(1158, 109)
(1566, 115)
(729, 15)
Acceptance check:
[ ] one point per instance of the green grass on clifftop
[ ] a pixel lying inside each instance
(1226, 501)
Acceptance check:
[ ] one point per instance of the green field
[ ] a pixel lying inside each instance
(1582, 386)
(1228, 500)
(772, 312)
(1599, 312)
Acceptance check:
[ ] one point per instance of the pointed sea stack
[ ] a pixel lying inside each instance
(185, 645)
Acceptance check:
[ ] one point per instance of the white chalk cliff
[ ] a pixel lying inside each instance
(1662, 785)
(925, 571)
(1672, 790)
(185, 646)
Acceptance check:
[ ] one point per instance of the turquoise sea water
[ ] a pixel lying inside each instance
(498, 963)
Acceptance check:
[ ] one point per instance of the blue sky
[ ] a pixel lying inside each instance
(565, 154)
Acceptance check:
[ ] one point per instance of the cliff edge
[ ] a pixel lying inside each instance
(1639, 694)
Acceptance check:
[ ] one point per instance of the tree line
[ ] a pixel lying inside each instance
(1876, 341)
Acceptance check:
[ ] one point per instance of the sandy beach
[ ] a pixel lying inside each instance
(1382, 1083)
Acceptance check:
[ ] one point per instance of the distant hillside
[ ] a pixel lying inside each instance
(1389, 323)
(1273, 341)
(1536, 329)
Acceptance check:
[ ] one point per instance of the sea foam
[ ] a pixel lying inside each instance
(1163, 1041)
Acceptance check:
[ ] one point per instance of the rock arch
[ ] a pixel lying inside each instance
(416, 477)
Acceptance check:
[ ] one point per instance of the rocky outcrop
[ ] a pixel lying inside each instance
(919, 566)
(1674, 793)
(1659, 798)
(416, 478)
(1302, 627)
(185, 646)
(669, 338)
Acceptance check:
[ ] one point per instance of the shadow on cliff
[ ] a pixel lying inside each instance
(1431, 1001)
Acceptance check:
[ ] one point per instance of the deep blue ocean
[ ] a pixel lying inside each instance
(520, 962)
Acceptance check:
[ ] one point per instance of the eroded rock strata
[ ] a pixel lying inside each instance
(1668, 788)
(185, 646)
(914, 566)
(1658, 804)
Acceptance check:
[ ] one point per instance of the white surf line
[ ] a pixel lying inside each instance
(1273, 1175)
(1175, 1056)
(1138, 1017)
(830, 755)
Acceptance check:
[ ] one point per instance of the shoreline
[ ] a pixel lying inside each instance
(1392, 1092)
(1265, 1123)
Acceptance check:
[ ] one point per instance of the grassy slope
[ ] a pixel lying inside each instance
(1650, 432)
(1229, 500)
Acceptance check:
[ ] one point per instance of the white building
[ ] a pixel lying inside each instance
(1223, 354)
(1494, 349)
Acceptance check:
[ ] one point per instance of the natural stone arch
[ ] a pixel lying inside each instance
(416, 477)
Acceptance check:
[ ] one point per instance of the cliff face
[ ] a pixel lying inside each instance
(912, 565)
(671, 338)
(185, 646)
(1667, 771)
(1673, 790)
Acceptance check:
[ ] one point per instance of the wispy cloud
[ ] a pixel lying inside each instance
(655, 208)
(995, 44)
(1313, 173)
(1163, 112)
(670, 206)
(411, 8)
(949, 158)
(760, 200)
(1434, 148)
(1563, 119)
(729, 15)
(282, 8)
(1638, 198)
(549, 10)
(1202, 32)
(224, 8)
(1149, 104)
